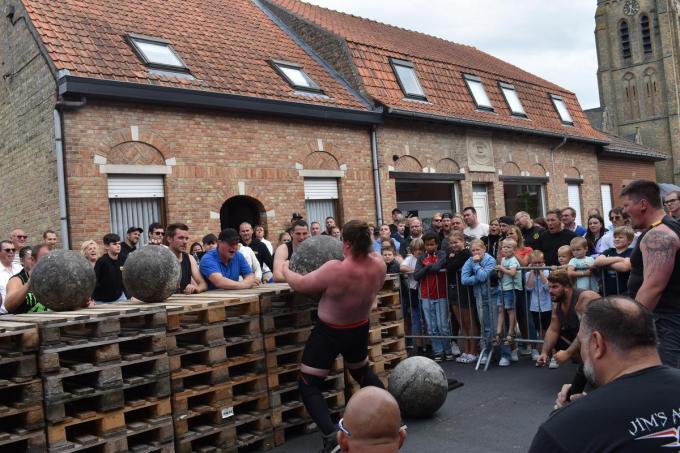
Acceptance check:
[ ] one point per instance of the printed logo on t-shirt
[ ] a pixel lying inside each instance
(536, 236)
(641, 425)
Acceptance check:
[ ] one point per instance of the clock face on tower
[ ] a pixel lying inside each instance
(631, 7)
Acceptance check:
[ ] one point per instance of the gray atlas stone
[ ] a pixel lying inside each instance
(419, 386)
(151, 274)
(314, 252)
(63, 280)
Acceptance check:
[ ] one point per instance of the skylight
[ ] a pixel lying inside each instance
(478, 92)
(295, 76)
(157, 53)
(512, 99)
(407, 78)
(561, 108)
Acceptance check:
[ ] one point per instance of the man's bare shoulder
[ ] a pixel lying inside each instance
(281, 252)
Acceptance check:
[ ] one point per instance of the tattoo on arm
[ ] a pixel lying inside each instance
(660, 250)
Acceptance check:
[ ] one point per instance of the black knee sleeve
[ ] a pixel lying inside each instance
(310, 391)
(365, 377)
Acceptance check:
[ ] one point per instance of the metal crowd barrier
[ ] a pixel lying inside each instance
(453, 312)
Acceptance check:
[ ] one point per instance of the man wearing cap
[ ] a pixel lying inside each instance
(225, 265)
(130, 244)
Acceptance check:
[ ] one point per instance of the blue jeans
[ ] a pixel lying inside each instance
(436, 312)
(487, 311)
(411, 307)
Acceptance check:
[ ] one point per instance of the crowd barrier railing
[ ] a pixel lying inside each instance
(441, 310)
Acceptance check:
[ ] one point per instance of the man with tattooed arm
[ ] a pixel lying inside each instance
(655, 264)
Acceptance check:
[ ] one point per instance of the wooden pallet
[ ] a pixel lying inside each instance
(186, 357)
(394, 345)
(285, 355)
(270, 296)
(87, 430)
(199, 374)
(149, 425)
(389, 298)
(238, 326)
(392, 282)
(286, 318)
(246, 364)
(351, 386)
(285, 337)
(22, 440)
(201, 398)
(17, 337)
(391, 360)
(249, 387)
(235, 303)
(392, 329)
(244, 345)
(391, 313)
(289, 393)
(293, 420)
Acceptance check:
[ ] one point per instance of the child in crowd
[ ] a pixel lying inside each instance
(479, 272)
(433, 296)
(460, 298)
(616, 262)
(388, 256)
(511, 285)
(579, 266)
(411, 306)
(563, 257)
(539, 294)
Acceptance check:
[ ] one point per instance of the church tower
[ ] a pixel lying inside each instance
(638, 52)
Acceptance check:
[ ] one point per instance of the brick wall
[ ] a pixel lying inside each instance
(618, 172)
(28, 180)
(214, 152)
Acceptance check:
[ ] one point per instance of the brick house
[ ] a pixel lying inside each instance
(120, 113)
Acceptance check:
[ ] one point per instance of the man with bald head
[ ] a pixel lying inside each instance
(372, 423)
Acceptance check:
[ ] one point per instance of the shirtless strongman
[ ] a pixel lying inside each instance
(348, 289)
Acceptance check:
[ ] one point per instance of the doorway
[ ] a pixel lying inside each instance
(239, 209)
(480, 201)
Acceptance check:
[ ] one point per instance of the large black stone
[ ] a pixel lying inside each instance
(419, 385)
(314, 252)
(63, 280)
(151, 274)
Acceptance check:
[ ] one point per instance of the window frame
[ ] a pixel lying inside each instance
(508, 86)
(646, 35)
(313, 86)
(626, 48)
(132, 39)
(555, 98)
(471, 78)
(394, 62)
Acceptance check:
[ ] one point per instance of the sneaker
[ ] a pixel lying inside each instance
(462, 358)
(535, 355)
(526, 351)
(513, 356)
(455, 350)
(439, 358)
(485, 358)
(471, 358)
(553, 363)
(448, 356)
(504, 362)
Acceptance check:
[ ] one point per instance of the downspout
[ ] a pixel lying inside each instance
(376, 175)
(61, 173)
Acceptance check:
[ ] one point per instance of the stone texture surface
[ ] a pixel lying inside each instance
(151, 274)
(314, 252)
(419, 385)
(63, 280)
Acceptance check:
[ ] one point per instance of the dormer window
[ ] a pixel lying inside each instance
(408, 79)
(157, 53)
(478, 92)
(561, 108)
(295, 76)
(512, 99)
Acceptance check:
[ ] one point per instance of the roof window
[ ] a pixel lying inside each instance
(478, 92)
(295, 76)
(512, 99)
(408, 79)
(157, 53)
(561, 108)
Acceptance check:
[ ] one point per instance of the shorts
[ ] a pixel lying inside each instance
(506, 299)
(326, 341)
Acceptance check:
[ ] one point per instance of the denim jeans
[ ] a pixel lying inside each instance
(487, 311)
(436, 312)
(668, 330)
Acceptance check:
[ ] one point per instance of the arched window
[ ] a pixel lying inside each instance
(625, 40)
(631, 104)
(646, 35)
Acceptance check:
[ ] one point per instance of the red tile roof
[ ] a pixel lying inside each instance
(440, 65)
(225, 44)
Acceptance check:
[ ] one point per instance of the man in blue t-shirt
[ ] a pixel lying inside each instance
(223, 265)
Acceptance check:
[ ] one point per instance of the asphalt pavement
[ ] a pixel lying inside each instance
(494, 411)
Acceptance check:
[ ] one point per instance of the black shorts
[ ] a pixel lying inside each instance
(327, 341)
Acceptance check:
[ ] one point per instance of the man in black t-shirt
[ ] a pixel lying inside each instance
(130, 244)
(554, 238)
(247, 238)
(109, 272)
(635, 407)
(531, 233)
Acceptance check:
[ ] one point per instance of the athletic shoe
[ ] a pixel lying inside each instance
(448, 356)
(455, 350)
(525, 351)
(513, 356)
(553, 363)
(485, 358)
(438, 358)
(504, 362)
(535, 354)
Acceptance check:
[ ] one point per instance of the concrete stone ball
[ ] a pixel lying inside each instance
(63, 280)
(419, 385)
(151, 274)
(314, 252)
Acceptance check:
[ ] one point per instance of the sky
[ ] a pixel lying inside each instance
(552, 39)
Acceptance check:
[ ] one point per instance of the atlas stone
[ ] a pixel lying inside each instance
(314, 252)
(419, 385)
(151, 274)
(63, 280)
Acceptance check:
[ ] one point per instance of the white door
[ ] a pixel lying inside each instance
(480, 200)
(606, 191)
(574, 195)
